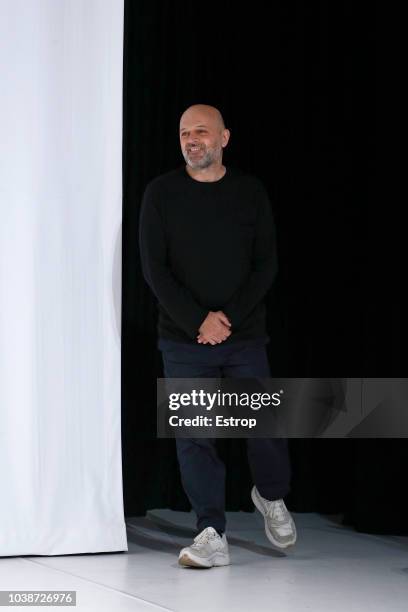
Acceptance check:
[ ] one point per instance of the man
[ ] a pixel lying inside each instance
(208, 252)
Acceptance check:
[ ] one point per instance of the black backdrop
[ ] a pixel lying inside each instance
(296, 85)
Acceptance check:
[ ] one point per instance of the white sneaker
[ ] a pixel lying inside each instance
(280, 527)
(208, 550)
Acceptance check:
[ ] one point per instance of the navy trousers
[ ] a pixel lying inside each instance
(202, 471)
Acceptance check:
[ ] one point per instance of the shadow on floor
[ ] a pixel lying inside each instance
(156, 526)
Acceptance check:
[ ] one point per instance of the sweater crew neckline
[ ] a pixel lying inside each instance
(195, 181)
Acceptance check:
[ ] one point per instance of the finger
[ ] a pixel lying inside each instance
(225, 322)
(221, 317)
(225, 319)
(224, 336)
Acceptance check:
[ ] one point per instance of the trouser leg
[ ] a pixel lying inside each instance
(203, 478)
(268, 458)
(270, 466)
(202, 471)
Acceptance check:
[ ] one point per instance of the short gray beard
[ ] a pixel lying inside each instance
(210, 156)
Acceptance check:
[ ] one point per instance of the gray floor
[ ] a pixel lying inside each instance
(332, 568)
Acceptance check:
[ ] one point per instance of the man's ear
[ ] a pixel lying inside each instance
(225, 137)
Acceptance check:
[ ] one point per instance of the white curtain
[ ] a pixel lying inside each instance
(60, 284)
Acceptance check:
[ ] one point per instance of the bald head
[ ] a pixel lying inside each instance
(206, 113)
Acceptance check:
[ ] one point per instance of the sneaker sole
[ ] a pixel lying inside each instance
(188, 560)
(269, 535)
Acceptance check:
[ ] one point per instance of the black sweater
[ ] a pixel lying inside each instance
(208, 246)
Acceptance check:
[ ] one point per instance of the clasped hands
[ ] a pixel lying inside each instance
(214, 329)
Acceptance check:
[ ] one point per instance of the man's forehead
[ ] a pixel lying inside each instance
(197, 124)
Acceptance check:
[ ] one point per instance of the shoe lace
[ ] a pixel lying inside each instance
(203, 538)
(276, 510)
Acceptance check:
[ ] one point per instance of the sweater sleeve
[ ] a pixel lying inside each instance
(264, 265)
(171, 294)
